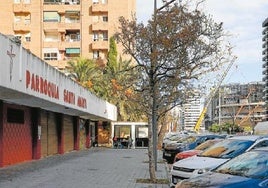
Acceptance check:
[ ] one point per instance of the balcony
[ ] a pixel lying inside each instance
(61, 7)
(99, 7)
(68, 26)
(50, 44)
(63, 45)
(50, 26)
(21, 7)
(61, 2)
(100, 26)
(60, 64)
(100, 45)
(21, 27)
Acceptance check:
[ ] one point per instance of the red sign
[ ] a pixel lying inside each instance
(41, 85)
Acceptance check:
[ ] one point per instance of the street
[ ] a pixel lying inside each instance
(93, 168)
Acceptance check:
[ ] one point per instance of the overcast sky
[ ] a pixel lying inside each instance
(243, 19)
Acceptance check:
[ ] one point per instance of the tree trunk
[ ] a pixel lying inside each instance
(151, 152)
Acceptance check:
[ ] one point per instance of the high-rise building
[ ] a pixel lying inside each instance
(191, 112)
(58, 30)
(265, 63)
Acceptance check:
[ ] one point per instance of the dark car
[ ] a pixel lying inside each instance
(249, 169)
(186, 143)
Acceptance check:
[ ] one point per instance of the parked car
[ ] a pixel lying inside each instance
(215, 156)
(249, 169)
(186, 143)
(196, 150)
(172, 138)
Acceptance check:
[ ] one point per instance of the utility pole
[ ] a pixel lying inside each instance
(153, 63)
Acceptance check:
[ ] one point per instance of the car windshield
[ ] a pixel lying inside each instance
(207, 144)
(227, 148)
(188, 139)
(252, 164)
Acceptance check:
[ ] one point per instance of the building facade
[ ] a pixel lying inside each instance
(42, 111)
(191, 111)
(58, 30)
(265, 63)
(240, 104)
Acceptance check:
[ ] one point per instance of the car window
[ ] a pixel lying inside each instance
(227, 148)
(207, 144)
(252, 164)
(263, 143)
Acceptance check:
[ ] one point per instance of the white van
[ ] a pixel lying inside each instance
(261, 128)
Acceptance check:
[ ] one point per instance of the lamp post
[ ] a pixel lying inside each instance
(154, 116)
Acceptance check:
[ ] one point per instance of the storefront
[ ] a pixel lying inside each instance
(42, 111)
(136, 131)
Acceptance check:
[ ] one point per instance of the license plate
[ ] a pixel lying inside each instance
(168, 154)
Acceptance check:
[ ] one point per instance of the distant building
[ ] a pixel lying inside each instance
(58, 30)
(265, 63)
(191, 111)
(240, 104)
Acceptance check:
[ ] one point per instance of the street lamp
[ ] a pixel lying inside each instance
(154, 127)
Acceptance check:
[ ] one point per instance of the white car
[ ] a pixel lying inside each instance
(215, 156)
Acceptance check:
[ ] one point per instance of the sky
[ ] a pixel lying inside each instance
(243, 20)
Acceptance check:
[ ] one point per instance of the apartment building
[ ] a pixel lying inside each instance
(265, 63)
(240, 104)
(58, 30)
(191, 110)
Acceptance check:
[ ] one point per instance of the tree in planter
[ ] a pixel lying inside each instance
(176, 48)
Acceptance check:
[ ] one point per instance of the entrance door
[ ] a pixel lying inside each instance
(49, 136)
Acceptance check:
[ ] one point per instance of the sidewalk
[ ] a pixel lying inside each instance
(93, 168)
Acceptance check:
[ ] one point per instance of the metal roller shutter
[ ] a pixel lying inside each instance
(68, 133)
(49, 136)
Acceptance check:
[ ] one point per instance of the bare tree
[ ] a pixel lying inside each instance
(178, 46)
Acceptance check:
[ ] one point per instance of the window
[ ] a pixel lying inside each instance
(15, 116)
(51, 17)
(50, 56)
(95, 36)
(51, 37)
(105, 18)
(72, 17)
(26, 1)
(17, 19)
(104, 1)
(17, 37)
(122, 131)
(263, 143)
(105, 36)
(16, 1)
(96, 54)
(28, 37)
(27, 19)
(95, 1)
